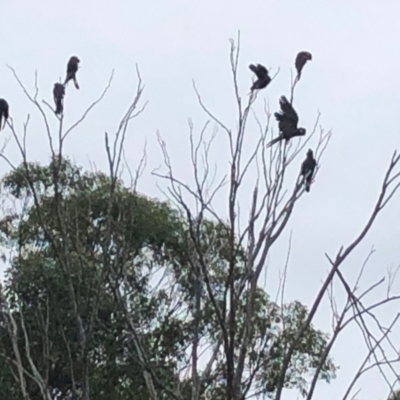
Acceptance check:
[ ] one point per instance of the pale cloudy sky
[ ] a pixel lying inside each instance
(353, 80)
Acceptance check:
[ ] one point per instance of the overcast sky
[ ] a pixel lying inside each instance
(353, 80)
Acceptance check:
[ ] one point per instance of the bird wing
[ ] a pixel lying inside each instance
(4, 108)
(313, 164)
(304, 167)
(253, 68)
(287, 118)
(259, 70)
(288, 110)
(58, 91)
(72, 66)
(3, 113)
(262, 72)
(308, 166)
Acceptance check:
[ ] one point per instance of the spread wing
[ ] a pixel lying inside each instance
(287, 118)
(254, 68)
(260, 71)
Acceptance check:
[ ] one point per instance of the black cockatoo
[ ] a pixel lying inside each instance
(301, 59)
(72, 69)
(263, 79)
(287, 122)
(308, 168)
(3, 113)
(58, 94)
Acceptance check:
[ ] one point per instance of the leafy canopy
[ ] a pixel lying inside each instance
(87, 253)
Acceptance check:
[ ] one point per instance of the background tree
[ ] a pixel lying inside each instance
(395, 395)
(57, 295)
(112, 295)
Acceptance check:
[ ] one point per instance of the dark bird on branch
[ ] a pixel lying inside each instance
(301, 60)
(263, 79)
(287, 121)
(72, 69)
(3, 113)
(308, 168)
(58, 94)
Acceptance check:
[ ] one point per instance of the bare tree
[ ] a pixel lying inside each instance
(62, 241)
(271, 204)
(236, 355)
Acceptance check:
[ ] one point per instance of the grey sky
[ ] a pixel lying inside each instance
(353, 80)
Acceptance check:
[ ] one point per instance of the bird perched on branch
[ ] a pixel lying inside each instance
(263, 79)
(308, 168)
(301, 60)
(3, 113)
(58, 94)
(72, 68)
(287, 121)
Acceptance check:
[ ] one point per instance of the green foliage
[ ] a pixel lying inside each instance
(395, 395)
(7, 384)
(79, 242)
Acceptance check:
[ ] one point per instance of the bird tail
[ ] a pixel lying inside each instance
(273, 141)
(307, 181)
(76, 82)
(59, 107)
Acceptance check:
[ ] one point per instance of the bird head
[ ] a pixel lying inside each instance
(305, 55)
(301, 131)
(310, 153)
(75, 60)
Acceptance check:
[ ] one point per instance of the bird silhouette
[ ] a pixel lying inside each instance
(4, 108)
(72, 68)
(58, 94)
(263, 79)
(308, 168)
(301, 59)
(287, 121)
